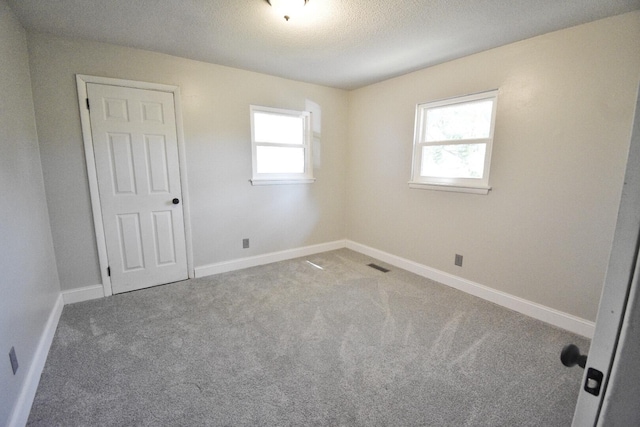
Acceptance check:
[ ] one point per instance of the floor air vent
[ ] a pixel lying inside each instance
(377, 267)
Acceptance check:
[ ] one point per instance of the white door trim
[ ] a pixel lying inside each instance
(81, 81)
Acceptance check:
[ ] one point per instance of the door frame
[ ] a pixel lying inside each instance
(85, 120)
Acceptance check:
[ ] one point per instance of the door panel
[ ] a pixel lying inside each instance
(136, 155)
(130, 241)
(157, 159)
(122, 163)
(163, 230)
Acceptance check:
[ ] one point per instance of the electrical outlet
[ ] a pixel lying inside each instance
(14, 360)
(458, 260)
(245, 243)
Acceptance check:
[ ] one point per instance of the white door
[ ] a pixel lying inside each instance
(136, 155)
(620, 280)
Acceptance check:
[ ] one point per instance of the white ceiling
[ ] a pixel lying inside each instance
(340, 43)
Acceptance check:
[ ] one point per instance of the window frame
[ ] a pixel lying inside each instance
(282, 178)
(465, 185)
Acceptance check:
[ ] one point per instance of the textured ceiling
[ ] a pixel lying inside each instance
(339, 43)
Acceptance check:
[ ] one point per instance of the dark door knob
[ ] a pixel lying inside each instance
(175, 201)
(571, 356)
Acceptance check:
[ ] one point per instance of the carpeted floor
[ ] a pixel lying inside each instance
(289, 344)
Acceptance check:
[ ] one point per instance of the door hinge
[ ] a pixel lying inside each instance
(109, 271)
(88, 107)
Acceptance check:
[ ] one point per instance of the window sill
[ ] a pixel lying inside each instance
(447, 187)
(281, 181)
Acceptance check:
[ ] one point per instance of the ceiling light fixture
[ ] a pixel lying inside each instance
(287, 8)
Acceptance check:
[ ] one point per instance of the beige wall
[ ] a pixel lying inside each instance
(225, 208)
(29, 285)
(565, 108)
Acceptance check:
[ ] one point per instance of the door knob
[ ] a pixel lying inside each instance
(175, 201)
(571, 356)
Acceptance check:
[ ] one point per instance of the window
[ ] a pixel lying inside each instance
(281, 146)
(452, 143)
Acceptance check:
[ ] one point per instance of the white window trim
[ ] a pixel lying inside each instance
(450, 187)
(459, 185)
(282, 178)
(269, 181)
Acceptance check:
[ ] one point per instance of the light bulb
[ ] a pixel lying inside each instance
(287, 8)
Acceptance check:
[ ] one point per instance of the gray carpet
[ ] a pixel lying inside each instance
(289, 344)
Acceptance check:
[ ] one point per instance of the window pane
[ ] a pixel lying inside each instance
(470, 120)
(280, 129)
(279, 159)
(453, 161)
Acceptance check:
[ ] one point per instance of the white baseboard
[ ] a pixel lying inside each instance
(238, 264)
(83, 294)
(537, 311)
(22, 408)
